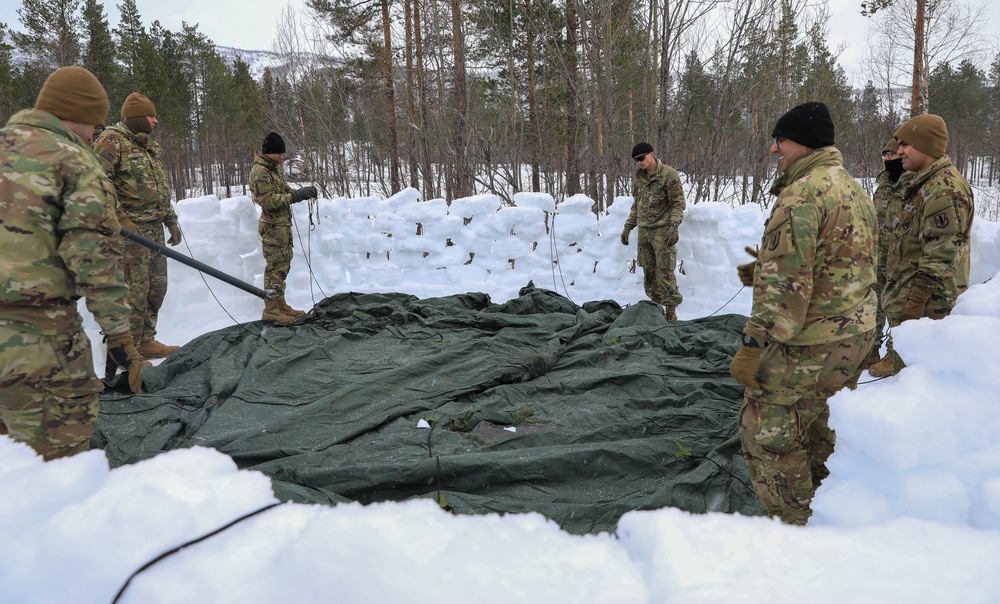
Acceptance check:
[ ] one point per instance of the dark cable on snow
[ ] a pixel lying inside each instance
(554, 260)
(728, 301)
(308, 257)
(216, 298)
(173, 551)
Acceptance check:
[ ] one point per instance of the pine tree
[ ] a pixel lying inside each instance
(50, 37)
(130, 34)
(98, 46)
(7, 71)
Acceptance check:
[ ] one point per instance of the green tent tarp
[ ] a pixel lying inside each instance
(578, 413)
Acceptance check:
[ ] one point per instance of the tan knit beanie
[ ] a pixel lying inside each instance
(74, 94)
(891, 146)
(927, 133)
(138, 105)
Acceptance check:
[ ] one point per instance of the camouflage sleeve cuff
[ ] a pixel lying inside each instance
(117, 330)
(926, 282)
(756, 332)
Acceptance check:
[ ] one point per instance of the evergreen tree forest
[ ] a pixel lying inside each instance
(456, 98)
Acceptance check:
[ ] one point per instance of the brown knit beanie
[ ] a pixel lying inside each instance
(891, 146)
(927, 133)
(74, 94)
(138, 105)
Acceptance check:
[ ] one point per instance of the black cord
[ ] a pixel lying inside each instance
(308, 258)
(728, 301)
(554, 259)
(216, 298)
(173, 551)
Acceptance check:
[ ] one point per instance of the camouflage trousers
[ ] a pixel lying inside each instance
(48, 390)
(276, 245)
(784, 425)
(879, 287)
(146, 278)
(657, 255)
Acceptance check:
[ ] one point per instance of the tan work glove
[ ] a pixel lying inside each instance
(175, 234)
(673, 236)
(625, 233)
(745, 271)
(916, 303)
(745, 364)
(122, 352)
(128, 224)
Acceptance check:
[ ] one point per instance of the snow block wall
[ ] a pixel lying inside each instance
(397, 244)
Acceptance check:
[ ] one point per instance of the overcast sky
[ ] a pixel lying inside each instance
(250, 24)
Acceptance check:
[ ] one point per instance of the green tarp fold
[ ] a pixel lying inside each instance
(534, 405)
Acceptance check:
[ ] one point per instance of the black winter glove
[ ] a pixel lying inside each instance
(304, 193)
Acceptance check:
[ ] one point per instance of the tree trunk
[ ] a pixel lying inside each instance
(430, 185)
(572, 90)
(390, 94)
(462, 170)
(411, 111)
(534, 131)
(917, 102)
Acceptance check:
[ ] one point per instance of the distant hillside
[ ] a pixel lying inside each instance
(256, 59)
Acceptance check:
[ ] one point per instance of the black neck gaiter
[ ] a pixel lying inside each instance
(894, 167)
(138, 124)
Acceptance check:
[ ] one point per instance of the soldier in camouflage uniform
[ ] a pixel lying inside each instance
(271, 192)
(888, 198)
(813, 317)
(58, 242)
(927, 267)
(131, 159)
(657, 209)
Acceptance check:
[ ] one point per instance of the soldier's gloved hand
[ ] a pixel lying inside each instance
(672, 235)
(745, 364)
(122, 351)
(916, 303)
(175, 234)
(745, 271)
(625, 233)
(128, 224)
(307, 192)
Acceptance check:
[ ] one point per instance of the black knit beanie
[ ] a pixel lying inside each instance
(808, 124)
(273, 143)
(641, 150)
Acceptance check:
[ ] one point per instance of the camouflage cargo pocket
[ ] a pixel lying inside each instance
(787, 371)
(772, 427)
(70, 412)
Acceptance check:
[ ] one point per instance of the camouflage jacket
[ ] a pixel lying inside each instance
(888, 200)
(269, 190)
(58, 232)
(814, 276)
(658, 199)
(934, 225)
(132, 162)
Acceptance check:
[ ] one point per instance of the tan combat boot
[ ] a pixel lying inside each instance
(890, 365)
(155, 350)
(288, 310)
(272, 312)
(873, 357)
(670, 312)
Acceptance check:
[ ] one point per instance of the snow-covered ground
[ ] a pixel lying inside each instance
(910, 513)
